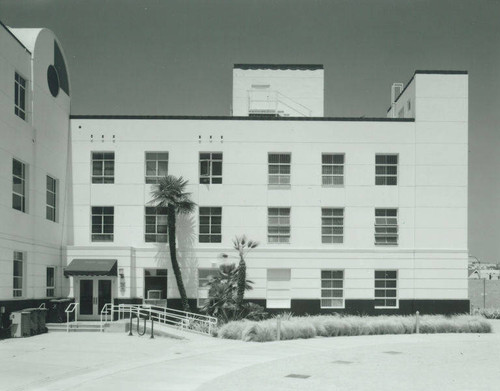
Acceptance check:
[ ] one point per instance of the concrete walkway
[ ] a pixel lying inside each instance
(107, 361)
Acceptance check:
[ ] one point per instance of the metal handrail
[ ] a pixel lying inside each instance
(197, 323)
(72, 307)
(42, 306)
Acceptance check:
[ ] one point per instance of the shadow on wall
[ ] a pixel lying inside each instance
(186, 256)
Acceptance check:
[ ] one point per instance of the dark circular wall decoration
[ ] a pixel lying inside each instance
(53, 80)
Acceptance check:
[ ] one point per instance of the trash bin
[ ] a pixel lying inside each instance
(56, 310)
(42, 315)
(33, 320)
(21, 324)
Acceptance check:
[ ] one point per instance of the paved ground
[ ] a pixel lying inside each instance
(107, 361)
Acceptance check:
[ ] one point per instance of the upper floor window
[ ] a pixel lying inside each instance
(51, 207)
(332, 225)
(332, 288)
(20, 96)
(156, 230)
(386, 170)
(386, 227)
(19, 185)
(51, 281)
(386, 282)
(278, 225)
(210, 224)
(18, 274)
(103, 167)
(103, 222)
(279, 168)
(210, 167)
(156, 166)
(332, 169)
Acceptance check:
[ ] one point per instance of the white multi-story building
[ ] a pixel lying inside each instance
(359, 215)
(34, 170)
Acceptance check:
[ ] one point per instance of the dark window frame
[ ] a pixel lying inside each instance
(210, 224)
(154, 232)
(103, 167)
(102, 223)
(210, 167)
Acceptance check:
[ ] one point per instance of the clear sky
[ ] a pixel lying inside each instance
(176, 57)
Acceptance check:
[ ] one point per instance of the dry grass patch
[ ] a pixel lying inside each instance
(337, 326)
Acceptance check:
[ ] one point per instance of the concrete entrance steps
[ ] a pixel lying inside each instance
(80, 326)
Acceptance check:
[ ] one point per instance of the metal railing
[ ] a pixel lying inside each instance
(72, 308)
(270, 101)
(188, 321)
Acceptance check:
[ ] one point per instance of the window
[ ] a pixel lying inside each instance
(204, 277)
(51, 206)
(102, 223)
(332, 289)
(279, 168)
(278, 288)
(155, 284)
(51, 281)
(278, 225)
(386, 227)
(386, 170)
(332, 225)
(20, 96)
(156, 229)
(18, 274)
(386, 288)
(210, 167)
(210, 224)
(156, 166)
(18, 185)
(332, 169)
(103, 167)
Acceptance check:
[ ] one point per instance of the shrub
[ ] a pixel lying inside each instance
(489, 313)
(336, 326)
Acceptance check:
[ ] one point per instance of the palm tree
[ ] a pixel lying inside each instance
(170, 193)
(243, 246)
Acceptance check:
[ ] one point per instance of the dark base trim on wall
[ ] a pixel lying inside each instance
(367, 307)
(352, 307)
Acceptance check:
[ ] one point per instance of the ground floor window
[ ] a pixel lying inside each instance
(204, 277)
(332, 289)
(386, 282)
(51, 281)
(155, 284)
(18, 274)
(278, 288)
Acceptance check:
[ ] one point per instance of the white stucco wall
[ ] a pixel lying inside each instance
(41, 142)
(432, 252)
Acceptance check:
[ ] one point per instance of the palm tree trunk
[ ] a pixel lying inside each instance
(173, 257)
(242, 277)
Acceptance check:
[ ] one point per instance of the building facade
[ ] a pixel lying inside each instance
(34, 122)
(357, 215)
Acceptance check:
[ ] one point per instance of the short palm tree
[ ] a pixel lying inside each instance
(243, 246)
(170, 193)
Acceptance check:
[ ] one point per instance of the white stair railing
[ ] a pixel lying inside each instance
(72, 308)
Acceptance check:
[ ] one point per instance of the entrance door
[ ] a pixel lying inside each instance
(86, 297)
(93, 295)
(103, 294)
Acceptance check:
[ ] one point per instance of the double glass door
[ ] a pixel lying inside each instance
(93, 295)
